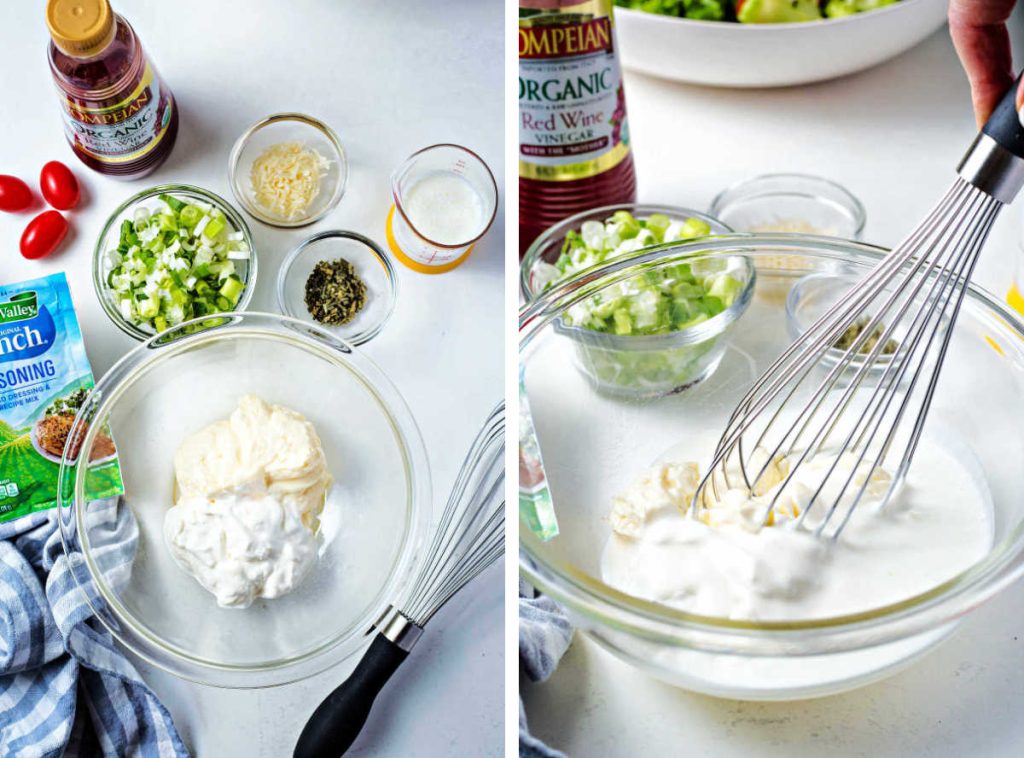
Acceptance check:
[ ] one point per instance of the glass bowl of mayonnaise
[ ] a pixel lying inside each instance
(276, 496)
(715, 602)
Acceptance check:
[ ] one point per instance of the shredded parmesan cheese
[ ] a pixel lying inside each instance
(286, 178)
(788, 262)
(792, 225)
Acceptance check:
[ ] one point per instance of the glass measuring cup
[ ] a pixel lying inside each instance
(445, 199)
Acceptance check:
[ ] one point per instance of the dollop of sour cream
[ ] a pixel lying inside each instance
(250, 492)
(724, 563)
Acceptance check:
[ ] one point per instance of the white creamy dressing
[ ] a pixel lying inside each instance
(445, 208)
(937, 525)
(250, 492)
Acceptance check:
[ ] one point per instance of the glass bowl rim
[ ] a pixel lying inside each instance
(852, 203)
(136, 636)
(611, 608)
(570, 223)
(234, 179)
(99, 251)
(390, 273)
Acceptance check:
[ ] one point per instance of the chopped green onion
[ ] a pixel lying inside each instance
(175, 262)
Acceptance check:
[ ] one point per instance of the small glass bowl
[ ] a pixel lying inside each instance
(638, 366)
(288, 127)
(109, 236)
(642, 367)
(548, 246)
(372, 265)
(812, 295)
(790, 203)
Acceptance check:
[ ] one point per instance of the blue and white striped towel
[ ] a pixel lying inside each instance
(544, 635)
(65, 689)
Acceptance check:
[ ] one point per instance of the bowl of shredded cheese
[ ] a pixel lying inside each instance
(790, 203)
(288, 169)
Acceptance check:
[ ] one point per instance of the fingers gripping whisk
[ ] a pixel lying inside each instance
(837, 417)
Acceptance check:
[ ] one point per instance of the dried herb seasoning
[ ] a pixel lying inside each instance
(847, 338)
(334, 292)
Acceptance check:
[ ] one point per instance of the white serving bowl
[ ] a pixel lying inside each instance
(727, 54)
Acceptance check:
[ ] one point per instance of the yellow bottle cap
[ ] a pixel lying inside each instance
(80, 28)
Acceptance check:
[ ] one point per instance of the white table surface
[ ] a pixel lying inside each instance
(893, 136)
(390, 78)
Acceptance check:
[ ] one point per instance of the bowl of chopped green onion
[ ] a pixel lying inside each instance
(593, 237)
(170, 254)
(650, 333)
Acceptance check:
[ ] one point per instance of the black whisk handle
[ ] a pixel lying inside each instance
(339, 719)
(994, 163)
(1004, 124)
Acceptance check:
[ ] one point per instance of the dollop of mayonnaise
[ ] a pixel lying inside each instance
(250, 492)
(735, 560)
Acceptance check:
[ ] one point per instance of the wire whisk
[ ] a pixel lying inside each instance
(469, 538)
(471, 535)
(825, 424)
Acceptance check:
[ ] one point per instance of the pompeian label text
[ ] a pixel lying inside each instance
(563, 40)
(112, 117)
(124, 131)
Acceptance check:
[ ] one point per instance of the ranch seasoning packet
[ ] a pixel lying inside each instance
(44, 379)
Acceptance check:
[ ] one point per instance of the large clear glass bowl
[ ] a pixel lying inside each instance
(371, 527)
(579, 448)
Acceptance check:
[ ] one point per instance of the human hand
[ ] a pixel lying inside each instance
(978, 29)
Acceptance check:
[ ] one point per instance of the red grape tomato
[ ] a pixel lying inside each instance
(58, 185)
(43, 234)
(14, 194)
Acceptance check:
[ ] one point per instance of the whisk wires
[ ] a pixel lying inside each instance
(912, 298)
(471, 533)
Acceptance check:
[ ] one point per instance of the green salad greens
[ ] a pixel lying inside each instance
(176, 262)
(756, 11)
(69, 404)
